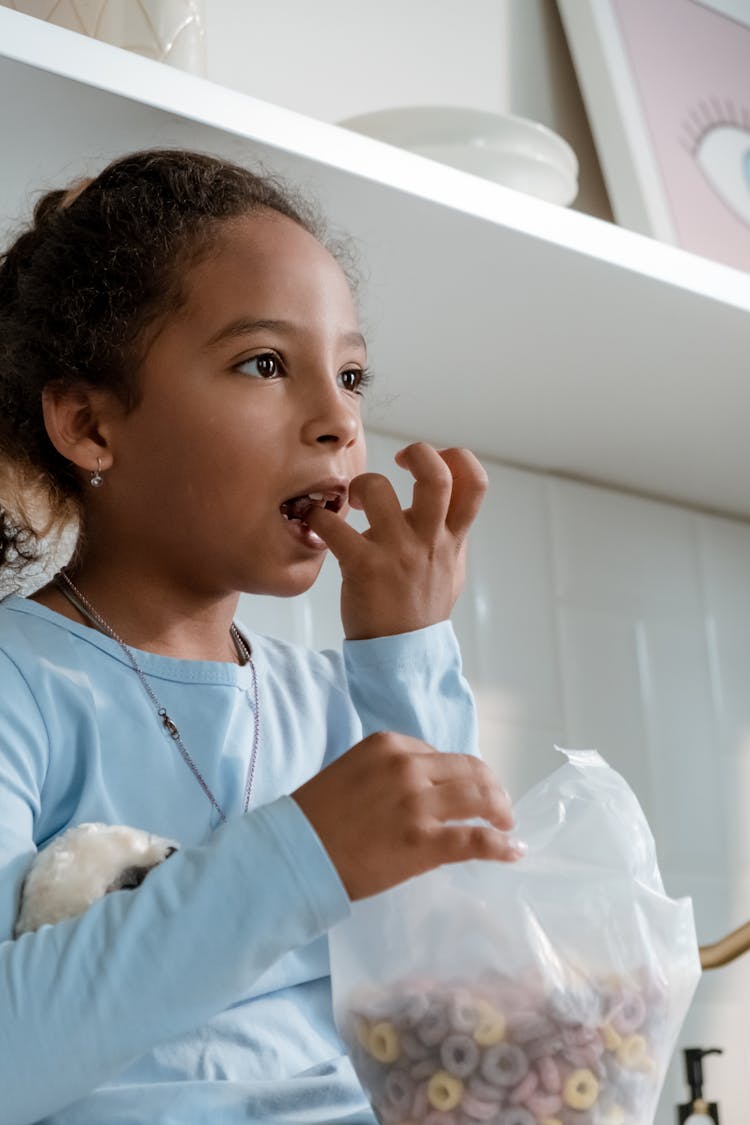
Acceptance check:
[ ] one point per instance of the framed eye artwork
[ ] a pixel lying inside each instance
(666, 85)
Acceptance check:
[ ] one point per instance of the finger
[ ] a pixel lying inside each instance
(374, 494)
(433, 483)
(447, 766)
(469, 487)
(457, 843)
(399, 746)
(343, 541)
(465, 799)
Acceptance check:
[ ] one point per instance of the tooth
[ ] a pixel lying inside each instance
(315, 495)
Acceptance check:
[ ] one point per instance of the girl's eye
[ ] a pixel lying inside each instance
(266, 365)
(355, 379)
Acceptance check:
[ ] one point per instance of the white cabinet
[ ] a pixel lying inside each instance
(531, 333)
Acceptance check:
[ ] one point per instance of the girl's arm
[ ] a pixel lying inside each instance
(81, 999)
(413, 683)
(407, 802)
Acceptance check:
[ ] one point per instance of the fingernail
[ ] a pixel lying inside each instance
(518, 846)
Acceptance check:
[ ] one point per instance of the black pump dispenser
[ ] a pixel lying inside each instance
(697, 1106)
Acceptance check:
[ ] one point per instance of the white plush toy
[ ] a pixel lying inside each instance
(82, 865)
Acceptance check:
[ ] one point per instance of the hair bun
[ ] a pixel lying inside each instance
(73, 192)
(52, 202)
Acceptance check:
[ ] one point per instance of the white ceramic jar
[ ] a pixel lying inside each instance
(169, 31)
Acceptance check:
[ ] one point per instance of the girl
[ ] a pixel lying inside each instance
(181, 372)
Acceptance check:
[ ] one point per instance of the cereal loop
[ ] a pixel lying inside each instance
(459, 1055)
(630, 1014)
(414, 1007)
(527, 1025)
(485, 1091)
(399, 1088)
(581, 1089)
(421, 1103)
(444, 1091)
(491, 1026)
(505, 1064)
(587, 1056)
(544, 1105)
(614, 1115)
(412, 1047)
(549, 1074)
(632, 1052)
(516, 1115)
(423, 1070)
(611, 1038)
(540, 1048)
(520, 1093)
(362, 1031)
(383, 1042)
(462, 1011)
(478, 1110)
(433, 1027)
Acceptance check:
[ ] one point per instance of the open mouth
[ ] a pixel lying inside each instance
(297, 507)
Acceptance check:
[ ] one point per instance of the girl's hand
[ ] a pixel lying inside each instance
(406, 571)
(381, 811)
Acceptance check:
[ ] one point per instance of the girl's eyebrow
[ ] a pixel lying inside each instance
(244, 325)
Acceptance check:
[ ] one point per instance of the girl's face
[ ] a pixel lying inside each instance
(251, 397)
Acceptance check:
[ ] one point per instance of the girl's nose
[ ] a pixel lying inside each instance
(333, 418)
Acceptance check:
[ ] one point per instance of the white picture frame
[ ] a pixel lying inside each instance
(667, 91)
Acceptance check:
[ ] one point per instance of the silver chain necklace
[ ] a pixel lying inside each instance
(167, 723)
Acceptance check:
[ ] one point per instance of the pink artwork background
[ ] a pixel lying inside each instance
(691, 70)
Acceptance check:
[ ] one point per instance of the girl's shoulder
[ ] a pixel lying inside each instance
(20, 631)
(28, 629)
(23, 731)
(33, 648)
(46, 648)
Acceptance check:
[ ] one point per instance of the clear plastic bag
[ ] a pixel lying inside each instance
(549, 991)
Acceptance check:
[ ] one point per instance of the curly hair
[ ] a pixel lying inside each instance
(83, 291)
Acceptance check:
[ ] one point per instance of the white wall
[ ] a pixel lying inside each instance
(592, 618)
(335, 59)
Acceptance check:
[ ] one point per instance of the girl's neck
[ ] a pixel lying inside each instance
(150, 614)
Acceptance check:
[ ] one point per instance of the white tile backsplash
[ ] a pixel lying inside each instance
(603, 698)
(688, 801)
(510, 580)
(623, 553)
(734, 772)
(280, 617)
(730, 652)
(520, 755)
(724, 553)
(594, 618)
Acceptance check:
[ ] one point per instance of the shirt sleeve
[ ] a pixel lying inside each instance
(413, 684)
(81, 999)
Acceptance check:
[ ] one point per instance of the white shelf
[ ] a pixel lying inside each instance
(530, 333)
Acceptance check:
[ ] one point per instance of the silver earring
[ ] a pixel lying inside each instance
(97, 480)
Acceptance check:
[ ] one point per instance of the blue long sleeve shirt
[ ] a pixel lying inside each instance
(204, 995)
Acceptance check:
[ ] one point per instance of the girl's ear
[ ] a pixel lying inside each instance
(77, 419)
